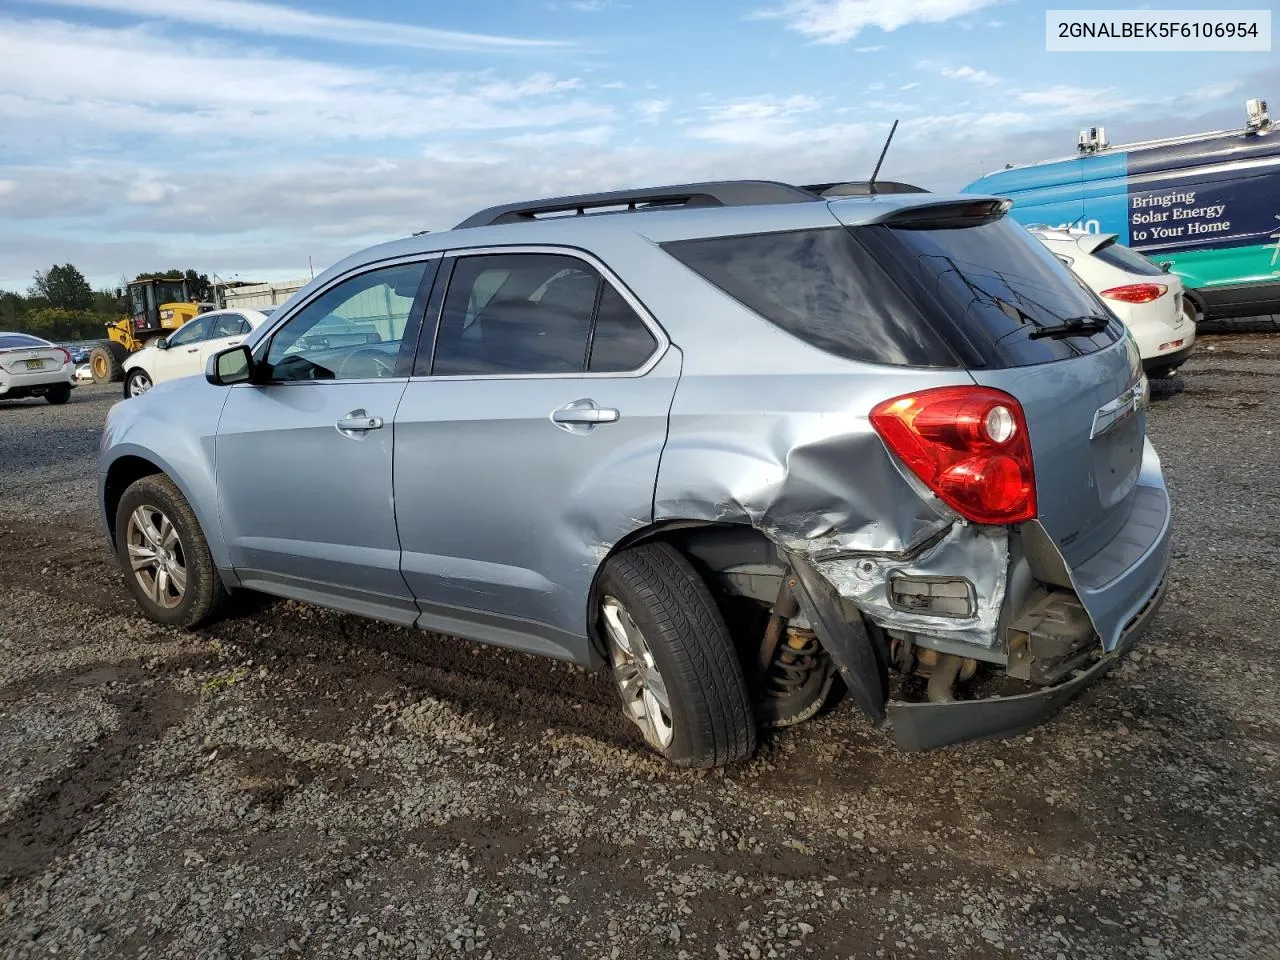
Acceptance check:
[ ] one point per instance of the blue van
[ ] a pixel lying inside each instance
(1207, 205)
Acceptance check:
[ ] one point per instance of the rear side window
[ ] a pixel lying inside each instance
(1126, 259)
(536, 314)
(994, 289)
(823, 287)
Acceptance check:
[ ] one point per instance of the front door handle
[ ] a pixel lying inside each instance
(584, 412)
(193, 349)
(358, 421)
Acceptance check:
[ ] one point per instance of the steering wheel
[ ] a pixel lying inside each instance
(377, 363)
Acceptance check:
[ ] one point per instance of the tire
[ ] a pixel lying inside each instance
(203, 595)
(59, 395)
(136, 382)
(709, 721)
(105, 360)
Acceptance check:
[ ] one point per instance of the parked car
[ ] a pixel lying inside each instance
(32, 367)
(1144, 295)
(184, 352)
(1205, 204)
(84, 373)
(729, 440)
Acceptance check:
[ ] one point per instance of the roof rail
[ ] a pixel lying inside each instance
(862, 188)
(717, 193)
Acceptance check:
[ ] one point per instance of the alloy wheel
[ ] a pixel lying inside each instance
(156, 556)
(139, 383)
(645, 700)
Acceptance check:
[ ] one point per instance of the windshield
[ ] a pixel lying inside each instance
(14, 341)
(170, 291)
(1126, 259)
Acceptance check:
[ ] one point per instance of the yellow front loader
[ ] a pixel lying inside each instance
(156, 307)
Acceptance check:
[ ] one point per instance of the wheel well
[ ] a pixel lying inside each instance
(739, 564)
(122, 474)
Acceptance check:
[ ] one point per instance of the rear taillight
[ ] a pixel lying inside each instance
(969, 445)
(66, 354)
(1136, 292)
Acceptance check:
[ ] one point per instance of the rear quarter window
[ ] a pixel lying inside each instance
(823, 287)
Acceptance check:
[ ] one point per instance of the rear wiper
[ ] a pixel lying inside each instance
(1072, 327)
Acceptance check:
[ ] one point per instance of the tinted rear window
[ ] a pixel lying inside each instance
(1126, 259)
(14, 341)
(989, 288)
(824, 287)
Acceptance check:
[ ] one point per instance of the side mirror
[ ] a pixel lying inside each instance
(1166, 266)
(162, 343)
(230, 366)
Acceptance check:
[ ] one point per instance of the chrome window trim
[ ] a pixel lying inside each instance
(647, 318)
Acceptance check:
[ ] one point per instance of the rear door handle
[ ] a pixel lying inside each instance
(358, 421)
(584, 412)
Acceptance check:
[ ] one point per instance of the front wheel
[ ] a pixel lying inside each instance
(673, 661)
(164, 555)
(136, 383)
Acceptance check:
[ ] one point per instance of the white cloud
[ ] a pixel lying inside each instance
(651, 110)
(87, 80)
(7, 187)
(874, 49)
(970, 75)
(252, 16)
(150, 192)
(908, 86)
(838, 21)
(1071, 101)
(1214, 91)
(585, 6)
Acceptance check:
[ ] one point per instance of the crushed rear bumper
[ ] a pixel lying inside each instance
(925, 726)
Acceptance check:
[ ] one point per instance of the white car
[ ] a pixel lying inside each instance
(184, 352)
(31, 367)
(1149, 301)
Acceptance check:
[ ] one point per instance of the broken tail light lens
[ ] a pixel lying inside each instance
(1136, 292)
(969, 445)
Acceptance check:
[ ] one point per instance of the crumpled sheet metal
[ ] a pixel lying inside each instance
(818, 484)
(979, 554)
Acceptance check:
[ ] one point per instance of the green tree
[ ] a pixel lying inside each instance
(63, 288)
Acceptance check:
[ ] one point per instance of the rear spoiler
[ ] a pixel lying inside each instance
(949, 213)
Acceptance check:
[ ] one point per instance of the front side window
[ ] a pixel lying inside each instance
(352, 331)
(516, 314)
(192, 332)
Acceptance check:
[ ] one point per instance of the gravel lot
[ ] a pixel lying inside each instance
(295, 782)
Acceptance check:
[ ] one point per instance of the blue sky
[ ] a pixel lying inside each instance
(246, 136)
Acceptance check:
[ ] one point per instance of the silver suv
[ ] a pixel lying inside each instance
(740, 442)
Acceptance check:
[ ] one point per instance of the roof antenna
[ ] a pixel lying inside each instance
(871, 184)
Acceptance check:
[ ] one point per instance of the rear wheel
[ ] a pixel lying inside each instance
(59, 395)
(136, 383)
(164, 555)
(105, 361)
(673, 661)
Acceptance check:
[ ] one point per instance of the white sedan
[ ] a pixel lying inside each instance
(184, 352)
(31, 367)
(1149, 300)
